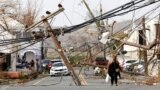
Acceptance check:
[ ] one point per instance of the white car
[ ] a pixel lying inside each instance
(59, 68)
(127, 63)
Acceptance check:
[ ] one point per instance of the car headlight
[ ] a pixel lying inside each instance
(52, 69)
(65, 69)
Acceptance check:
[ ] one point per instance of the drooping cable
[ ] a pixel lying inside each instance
(109, 14)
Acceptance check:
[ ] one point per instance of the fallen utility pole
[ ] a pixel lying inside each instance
(136, 45)
(99, 27)
(60, 51)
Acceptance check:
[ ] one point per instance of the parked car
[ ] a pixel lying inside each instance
(19, 65)
(52, 62)
(59, 68)
(156, 61)
(127, 63)
(45, 63)
(101, 61)
(137, 67)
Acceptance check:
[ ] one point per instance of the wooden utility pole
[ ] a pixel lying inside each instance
(99, 27)
(92, 15)
(60, 51)
(144, 51)
(90, 60)
(158, 43)
(42, 50)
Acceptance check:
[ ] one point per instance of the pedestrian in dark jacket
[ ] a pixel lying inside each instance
(37, 65)
(32, 64)
(113, 71)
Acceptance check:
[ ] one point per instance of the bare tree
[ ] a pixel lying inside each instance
(11, 11)
(25, 15)
(30, 13)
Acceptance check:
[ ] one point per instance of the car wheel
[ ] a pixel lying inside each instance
(52, 75)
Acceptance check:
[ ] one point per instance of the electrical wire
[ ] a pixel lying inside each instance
(113, 15)
(138, 19)
(109, 14)
(39, 40)
(67, 18)
(60, 1)
(13, 41)
(118, 10)
(132, 32)
(14, 46)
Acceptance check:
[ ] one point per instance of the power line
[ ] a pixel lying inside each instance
(106, 15)
(14, 46)
(138, 19)
(68, 18)
(23, 47)
(109, 14)
(13, 41)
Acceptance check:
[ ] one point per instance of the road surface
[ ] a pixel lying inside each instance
(66, 83)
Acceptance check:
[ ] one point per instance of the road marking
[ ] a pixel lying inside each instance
(38, 81)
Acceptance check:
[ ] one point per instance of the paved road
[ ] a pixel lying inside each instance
(66, 83)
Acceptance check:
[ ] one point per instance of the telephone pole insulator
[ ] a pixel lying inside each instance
(60, 5)
(48, 12)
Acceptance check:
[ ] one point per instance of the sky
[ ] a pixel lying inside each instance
(76, 11)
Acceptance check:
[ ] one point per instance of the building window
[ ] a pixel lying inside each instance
(141, 37)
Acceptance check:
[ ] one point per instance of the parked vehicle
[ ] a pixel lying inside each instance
(19, 65)
(137, 67)
(127, 63)
(156, 61)
(45, 63)
(101, 61)
(59, 68)
(53, 61)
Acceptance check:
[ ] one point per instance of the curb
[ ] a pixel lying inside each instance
(137, 83)
(126, 81)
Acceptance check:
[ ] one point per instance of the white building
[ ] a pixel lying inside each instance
(134, 38)
(7, 27)
(12, 29)
(33, 51)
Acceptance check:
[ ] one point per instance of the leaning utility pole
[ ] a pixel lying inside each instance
(90, 60)
(60, 51)
(99, 27)
(97, 23)
(144, 51)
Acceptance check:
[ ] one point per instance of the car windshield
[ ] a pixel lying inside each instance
(131, 61)
(58, 64)
(57, 60)
(46, 61)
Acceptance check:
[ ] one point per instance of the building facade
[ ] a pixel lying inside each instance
(135, 37)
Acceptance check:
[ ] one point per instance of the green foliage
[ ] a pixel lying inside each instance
(75, 59)
(121, 35)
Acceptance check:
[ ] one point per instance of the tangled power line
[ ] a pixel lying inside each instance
(112, 13)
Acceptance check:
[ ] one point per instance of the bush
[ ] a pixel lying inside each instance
(76, 59)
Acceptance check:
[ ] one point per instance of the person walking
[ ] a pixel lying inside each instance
(37, 65)
(113, 70)
(32, 63)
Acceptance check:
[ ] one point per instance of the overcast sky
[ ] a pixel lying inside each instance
(77, 12)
